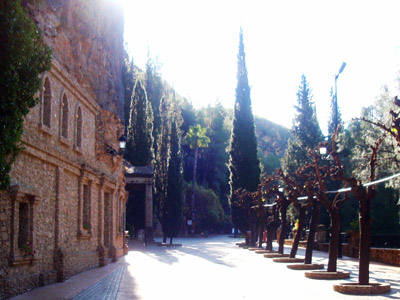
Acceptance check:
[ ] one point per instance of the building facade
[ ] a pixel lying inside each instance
(65, 209)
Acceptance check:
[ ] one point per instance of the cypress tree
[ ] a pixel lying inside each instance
(161, 166)
(305, 132)
(174, 203)
(139, 148)
(155, 90)
(128, 77)
(244, 165)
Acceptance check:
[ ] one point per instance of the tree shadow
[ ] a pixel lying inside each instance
(201, 248)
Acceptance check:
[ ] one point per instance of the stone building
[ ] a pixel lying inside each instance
(64, 212)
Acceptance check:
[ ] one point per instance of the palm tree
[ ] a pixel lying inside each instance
(196, 138)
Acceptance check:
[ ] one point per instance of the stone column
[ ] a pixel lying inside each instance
(58, 259)
(149, 214)
(100, 237)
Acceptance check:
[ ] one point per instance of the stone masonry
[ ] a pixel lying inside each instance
(64, 212)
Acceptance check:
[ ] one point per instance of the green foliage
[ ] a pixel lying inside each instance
(139, 147)
(161, 162)
(174, 205)
(23, 57)
(305, 132)
(244, 165)
(209, 213)
(155, 89)
(129, 78)
(197, 137)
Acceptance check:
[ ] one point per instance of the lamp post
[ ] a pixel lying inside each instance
(336, 125)
(336, 105)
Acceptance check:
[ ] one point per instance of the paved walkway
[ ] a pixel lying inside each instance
(209, 268)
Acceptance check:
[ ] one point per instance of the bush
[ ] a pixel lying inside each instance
(209, 214)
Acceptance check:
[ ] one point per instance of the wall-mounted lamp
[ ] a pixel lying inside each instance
(122, 145)
(122, 142)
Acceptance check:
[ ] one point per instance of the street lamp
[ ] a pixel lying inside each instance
(122, 145)
(336, 105)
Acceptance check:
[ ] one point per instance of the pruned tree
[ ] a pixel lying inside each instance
(364, 195)
(323, 173)
(270, 187)
(283, 204)
(244, 202)
(295, 189)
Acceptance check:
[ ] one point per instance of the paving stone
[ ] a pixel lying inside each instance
(105, 289)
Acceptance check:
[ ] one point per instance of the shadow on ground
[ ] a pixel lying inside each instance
(203, 248)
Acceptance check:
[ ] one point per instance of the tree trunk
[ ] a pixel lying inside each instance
(334, 239)
(270, 236)
(206, 168)
(365, 241)
(170, 240)
(261, 235)
(313, 228)
(196, 153)
(253, 237)
(164, 240)
(297, 237)
(281, 241)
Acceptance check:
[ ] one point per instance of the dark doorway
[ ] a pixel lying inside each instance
(135, 209)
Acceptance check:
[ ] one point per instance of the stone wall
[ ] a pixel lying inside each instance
(48, 182)
(381, 255)
(63, 212)
(87, 39)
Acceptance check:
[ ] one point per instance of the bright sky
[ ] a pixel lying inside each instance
(197, 44)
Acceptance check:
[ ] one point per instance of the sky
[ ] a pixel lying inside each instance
(197, 43)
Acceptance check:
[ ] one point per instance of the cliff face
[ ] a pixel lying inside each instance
(87, 40)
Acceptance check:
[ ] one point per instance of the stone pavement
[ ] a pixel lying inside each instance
(208, 268)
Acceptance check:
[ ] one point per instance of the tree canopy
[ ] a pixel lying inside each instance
(244, 165)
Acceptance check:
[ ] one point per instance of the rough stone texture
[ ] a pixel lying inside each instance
(356, 289)
(288, 260)
(305, 266)
(87, 38)
(50, 174)
(327, 275)
(385, 256)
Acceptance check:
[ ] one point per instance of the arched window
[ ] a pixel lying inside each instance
(46, 103)
(79, 127)
(64, 117)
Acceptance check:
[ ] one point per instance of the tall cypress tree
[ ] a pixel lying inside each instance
(128, 77)
(174, 203)
(161, 165)
(305, 132)
(155, 90)
(244, 165)
(139, 148)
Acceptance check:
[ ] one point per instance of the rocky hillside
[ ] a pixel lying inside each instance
(87, 40)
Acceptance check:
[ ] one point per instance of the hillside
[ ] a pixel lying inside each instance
(272, 142)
